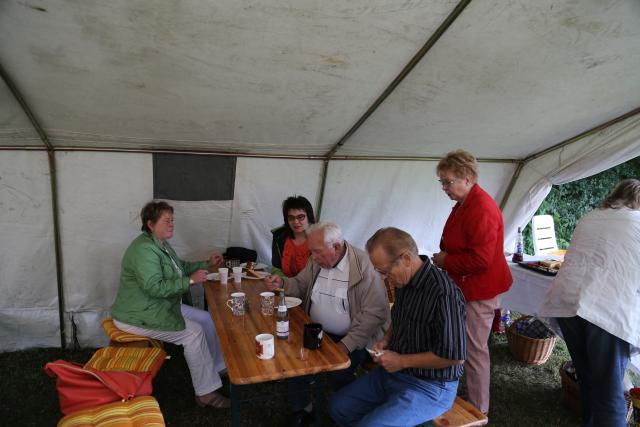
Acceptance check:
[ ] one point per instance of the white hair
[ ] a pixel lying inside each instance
(330, 231)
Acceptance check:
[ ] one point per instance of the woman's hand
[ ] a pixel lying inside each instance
(215, 260)
(199, 276)
(438, 259)
(272, 282)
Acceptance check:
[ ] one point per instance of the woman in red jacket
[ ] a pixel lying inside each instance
(472, 252)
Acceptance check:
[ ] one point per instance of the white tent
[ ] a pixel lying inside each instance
(349, 103)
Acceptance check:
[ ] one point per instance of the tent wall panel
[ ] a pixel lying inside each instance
(261, 186)
(29, 303)
(363, 196)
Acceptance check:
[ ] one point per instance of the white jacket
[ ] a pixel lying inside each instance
(600, 277)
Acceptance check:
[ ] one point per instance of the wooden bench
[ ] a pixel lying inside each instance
(461, 414)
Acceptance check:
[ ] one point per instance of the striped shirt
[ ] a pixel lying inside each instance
(429, 316)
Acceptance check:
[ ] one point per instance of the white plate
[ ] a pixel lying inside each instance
(292, 302)
(259, 266)
(262, 275)
(213, 276)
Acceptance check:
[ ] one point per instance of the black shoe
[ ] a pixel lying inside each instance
(300, 418)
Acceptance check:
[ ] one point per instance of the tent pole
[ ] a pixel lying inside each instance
(323, 184)
(512, 183)
(54, 195)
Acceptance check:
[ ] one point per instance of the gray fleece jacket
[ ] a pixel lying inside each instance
(367, 295)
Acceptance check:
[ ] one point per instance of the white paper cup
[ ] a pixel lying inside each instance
(265, 346)
(224, 275)
(237, 274)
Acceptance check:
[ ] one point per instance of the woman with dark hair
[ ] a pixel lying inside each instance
(595, 299)
(148, 303)
(289, 252)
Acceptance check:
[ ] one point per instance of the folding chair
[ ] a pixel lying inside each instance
(544, 235)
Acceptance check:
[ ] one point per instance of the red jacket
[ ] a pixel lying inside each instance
(473, 239)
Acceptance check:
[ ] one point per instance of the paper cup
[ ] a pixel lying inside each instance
(237, 274)
(224, 275)
(265, 346)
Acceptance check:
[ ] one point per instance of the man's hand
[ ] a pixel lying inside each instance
(380, 346)
(272, 282)
(390, 361)
(438, 259)
(199, 276)
(215, 260)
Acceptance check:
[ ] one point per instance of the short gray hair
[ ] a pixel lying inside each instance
(330, 231)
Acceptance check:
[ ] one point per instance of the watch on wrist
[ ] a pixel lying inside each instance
(191, 282)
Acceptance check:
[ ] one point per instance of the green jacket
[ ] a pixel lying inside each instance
(151, 288)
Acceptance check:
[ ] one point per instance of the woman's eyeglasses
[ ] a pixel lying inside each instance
(447, 182)
(300, 217)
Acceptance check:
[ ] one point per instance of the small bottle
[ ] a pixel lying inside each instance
(518, 254)
(282, 320)
(506, 319)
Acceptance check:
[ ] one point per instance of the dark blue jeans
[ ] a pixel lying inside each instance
(380, 398)
(600, 360)
(298, 389)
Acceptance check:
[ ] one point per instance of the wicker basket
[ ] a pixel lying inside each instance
(571, 393)
(532, 351)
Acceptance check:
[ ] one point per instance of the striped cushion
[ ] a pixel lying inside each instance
(117, 335)
(148, 359)
(142, 411)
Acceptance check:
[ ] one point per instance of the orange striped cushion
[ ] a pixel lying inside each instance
(142, 411)
(118, 335)
(148, 359)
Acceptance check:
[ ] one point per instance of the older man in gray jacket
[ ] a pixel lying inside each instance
(340, 289)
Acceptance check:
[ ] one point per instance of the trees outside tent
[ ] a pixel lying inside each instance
(567, 203)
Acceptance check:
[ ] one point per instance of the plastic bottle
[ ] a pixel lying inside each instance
(518, 254)
(282, 321)
(506, 319)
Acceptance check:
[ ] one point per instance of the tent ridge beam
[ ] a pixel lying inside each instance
(584, 134)
(401, 76)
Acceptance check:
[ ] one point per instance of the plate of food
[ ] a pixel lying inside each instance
(548, 266)
(257, 266)
(292, 301)
(254, 275)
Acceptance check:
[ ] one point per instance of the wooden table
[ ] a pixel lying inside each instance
(237, 338)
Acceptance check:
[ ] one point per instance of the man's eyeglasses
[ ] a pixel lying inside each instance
(300, 217)
(447, 182)
(391, 265)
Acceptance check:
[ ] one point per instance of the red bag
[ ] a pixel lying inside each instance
(80, 388)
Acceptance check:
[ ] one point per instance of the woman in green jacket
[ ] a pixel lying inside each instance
(149, 301)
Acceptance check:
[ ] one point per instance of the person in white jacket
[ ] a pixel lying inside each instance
(595, 299)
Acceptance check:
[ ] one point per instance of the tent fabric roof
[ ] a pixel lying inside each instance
(506, 80)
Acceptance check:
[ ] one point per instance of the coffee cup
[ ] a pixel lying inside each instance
(267, 302)
(265, 346)
(224, 275)
(237, 274)
(312, 338)
(237, 303)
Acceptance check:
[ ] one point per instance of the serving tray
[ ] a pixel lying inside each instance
(537, 267)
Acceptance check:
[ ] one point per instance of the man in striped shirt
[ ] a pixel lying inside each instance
(421, 354)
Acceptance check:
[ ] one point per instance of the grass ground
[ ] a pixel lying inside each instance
(522, 395)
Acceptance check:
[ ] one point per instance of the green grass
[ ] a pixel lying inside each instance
(522, 395)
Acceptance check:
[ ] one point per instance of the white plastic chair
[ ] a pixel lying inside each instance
(544, 235)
